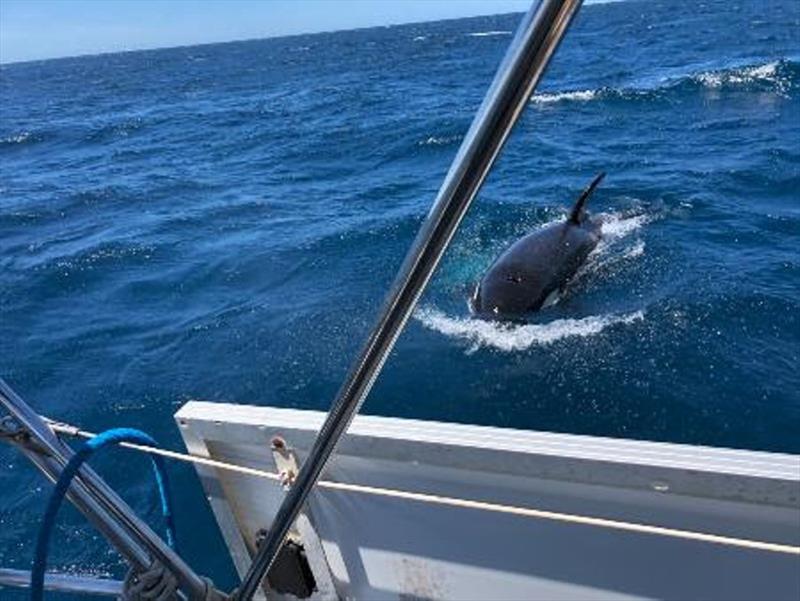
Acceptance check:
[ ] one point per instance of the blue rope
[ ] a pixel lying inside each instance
(109, 437)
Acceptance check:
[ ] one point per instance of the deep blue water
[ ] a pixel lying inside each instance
(222, 222)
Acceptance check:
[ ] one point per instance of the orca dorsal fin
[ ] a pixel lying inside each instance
(577, 210)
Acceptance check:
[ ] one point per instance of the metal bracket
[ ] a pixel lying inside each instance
(12, 432)
(10, 429)
(302, 534)
(285, 462)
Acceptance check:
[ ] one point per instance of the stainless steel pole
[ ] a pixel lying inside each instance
(98, 494)
(537, 38)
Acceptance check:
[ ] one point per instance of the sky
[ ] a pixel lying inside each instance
(39, 29)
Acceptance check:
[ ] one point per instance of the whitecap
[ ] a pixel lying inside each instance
(715, 79)
(19, 138)
(517, 337)
(765, 73)
(486, 34)
(439, 140)
(573, 96)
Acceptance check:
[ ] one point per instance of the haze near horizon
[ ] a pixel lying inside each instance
(61, 28)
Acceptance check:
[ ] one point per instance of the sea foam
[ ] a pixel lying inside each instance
(574, 96)
(487, 34)
(775, 74)
(439, 140)
(517, 337)
(20, 138)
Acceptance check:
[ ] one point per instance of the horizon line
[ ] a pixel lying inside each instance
(4, 64)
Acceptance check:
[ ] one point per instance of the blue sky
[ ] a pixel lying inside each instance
(37, 29)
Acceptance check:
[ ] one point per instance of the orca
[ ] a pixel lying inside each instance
(534, 271)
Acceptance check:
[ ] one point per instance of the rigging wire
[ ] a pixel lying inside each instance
(528, 512)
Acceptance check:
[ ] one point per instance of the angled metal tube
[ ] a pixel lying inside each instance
(114, 516)
(531, 49)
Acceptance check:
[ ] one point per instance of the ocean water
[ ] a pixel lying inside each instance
(222, 222)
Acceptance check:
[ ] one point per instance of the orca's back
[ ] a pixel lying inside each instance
(532, 268)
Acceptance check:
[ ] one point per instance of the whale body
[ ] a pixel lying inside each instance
(535, 270)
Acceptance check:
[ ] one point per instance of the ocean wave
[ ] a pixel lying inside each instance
(518, 337)
(487, 34)
(575, 96)
(777, 76)
(23, 137)
(439, 140)
(93, 257)
(769, 73)
(117, 129)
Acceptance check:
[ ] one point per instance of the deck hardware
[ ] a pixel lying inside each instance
(9, 428)
(529, 53)
(155, 583)
(286, 467)
(301, 568)
(291, 573)
(130, 535)
(13, 433)
(285, 462)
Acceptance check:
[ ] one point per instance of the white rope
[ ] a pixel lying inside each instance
(528, 512)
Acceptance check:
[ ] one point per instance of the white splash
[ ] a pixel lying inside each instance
(18, 138)
(420, 38)
(767, 72)
(517, 337)
(486, 34)
(633, 252)
(573, 96)
(603, 260)
(616, 226)
(439, 140)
